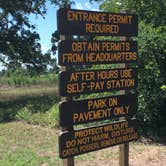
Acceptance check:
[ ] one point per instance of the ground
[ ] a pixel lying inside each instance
(24, 144)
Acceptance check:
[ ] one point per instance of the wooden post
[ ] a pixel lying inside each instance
(67, 161)
(124, 154)
(123, 148)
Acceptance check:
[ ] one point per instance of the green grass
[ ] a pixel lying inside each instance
(22, 79)
(34, 104)
(49, 118)
(22, 144)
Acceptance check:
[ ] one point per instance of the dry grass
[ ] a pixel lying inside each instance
(140, 155)
(8, 93)
(24, 144)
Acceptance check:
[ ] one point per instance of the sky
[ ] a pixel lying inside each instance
(45, 27)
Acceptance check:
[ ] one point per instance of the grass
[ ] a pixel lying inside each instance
(22, 144)
(21, 78)
(34, 104)
(49, 118)
(33, 140)
(11, 93)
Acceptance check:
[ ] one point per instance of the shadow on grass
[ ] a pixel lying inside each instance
(35, 104)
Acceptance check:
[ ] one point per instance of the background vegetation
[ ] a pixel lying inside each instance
(29, 92)
(28, 85)
(152, 60)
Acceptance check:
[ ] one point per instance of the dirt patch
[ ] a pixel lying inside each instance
(140, 155)
(22, 142)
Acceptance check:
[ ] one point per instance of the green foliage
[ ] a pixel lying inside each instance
(113, 6)
(48, 118)
(19, 44)
(151, 77)
(163, 87)
(20, 77)
(149, 11)
(152, 60)
(33, 109)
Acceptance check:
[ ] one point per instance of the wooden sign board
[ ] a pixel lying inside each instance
(82, 22)
(93, 81)
(97, 109)
(96, 52)
(91, 139)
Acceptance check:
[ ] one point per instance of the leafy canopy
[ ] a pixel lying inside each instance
(20, 43)
(152, 58)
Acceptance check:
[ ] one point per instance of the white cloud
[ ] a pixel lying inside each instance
(88, 5)
(85, 6)
(44, 48)
(79, 5)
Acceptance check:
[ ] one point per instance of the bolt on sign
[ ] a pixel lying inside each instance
(90, 139)
(81, 22)
(93, 81)
(97, 109)
(96, 52)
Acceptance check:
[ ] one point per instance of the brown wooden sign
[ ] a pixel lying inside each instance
(81, 22)
(97, 109)
(96, 52)
(90, 139)
(93, 81)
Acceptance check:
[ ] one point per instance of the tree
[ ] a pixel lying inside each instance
(152, 58)
(149, 11)
(19, 44)
(152, 77)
